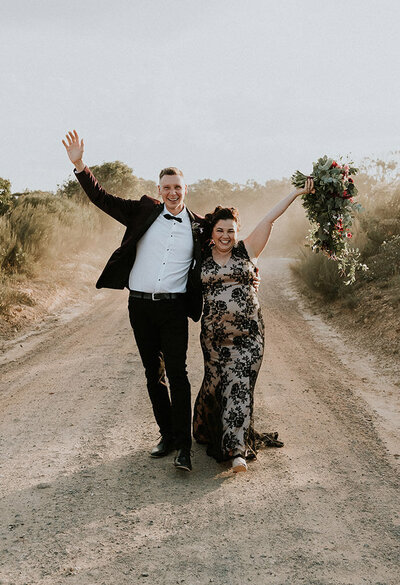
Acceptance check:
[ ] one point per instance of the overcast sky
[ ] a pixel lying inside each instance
(233, 89)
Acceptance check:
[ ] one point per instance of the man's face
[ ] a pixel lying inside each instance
(172, 189)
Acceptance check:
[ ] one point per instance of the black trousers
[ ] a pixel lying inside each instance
(161, 334)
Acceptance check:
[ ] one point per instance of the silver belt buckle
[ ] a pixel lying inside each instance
(153, 297)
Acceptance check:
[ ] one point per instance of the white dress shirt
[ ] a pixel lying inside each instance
(163, 256)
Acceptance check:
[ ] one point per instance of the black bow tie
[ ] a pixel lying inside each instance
(168, 216)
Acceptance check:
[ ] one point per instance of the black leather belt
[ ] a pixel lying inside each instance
(136, 294)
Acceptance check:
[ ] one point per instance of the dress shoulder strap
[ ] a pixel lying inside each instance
(240, 251)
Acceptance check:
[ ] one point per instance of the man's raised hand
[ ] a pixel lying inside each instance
(74, 149)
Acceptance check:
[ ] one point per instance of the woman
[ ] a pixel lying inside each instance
(232, 336)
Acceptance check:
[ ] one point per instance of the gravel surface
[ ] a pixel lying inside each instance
(82, 503)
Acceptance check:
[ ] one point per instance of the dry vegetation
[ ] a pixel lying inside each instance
(42, 234)
(48, 238)
(370, 308)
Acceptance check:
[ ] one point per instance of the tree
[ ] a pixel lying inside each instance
(5, 196)
(116, 177)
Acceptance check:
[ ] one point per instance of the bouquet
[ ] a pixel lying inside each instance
(331, 210)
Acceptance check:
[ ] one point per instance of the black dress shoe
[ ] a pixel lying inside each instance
(182, 460)
(164, 447)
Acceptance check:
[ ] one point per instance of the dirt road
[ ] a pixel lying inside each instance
(83, 504)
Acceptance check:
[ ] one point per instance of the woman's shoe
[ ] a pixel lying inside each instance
(239, 464)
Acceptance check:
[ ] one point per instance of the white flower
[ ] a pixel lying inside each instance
(196, 227)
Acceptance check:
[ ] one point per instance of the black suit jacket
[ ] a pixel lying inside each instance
(137, 216)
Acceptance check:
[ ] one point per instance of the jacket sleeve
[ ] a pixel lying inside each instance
(118, 208)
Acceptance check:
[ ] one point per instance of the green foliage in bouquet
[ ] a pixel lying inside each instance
(331, 210)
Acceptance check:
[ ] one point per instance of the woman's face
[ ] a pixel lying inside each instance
(224, 235)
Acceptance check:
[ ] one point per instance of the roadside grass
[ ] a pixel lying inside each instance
(41, 226)
(37, 235)
(320, 275)
(10, 295)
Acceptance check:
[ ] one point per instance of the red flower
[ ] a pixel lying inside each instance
(349, 235)
(334, 164)
(350, 180)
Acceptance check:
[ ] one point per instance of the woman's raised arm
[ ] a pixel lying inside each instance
(257, 240)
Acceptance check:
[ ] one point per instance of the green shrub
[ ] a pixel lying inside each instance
(116, 178)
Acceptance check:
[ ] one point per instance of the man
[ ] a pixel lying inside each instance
(159, 261)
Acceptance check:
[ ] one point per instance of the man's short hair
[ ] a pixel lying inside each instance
(170, 171)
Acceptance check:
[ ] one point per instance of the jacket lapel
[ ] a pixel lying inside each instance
(196, 227)
(149, 220)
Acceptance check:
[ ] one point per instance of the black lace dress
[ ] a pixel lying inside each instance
(232, 340)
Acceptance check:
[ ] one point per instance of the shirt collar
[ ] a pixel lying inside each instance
(182, 214)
